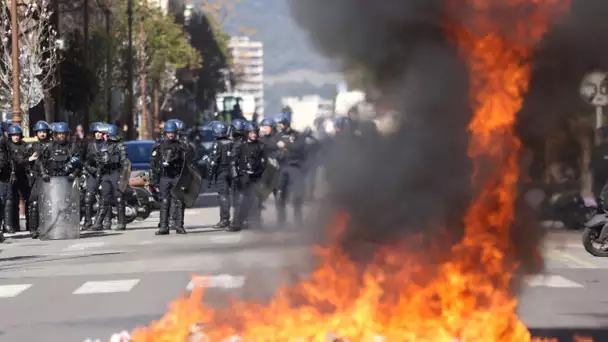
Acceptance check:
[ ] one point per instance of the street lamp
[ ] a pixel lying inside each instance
(105, 6)
(15, 64)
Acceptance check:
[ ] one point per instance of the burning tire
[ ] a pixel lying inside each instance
(592, 246)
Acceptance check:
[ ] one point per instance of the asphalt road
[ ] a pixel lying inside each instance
(60, 291)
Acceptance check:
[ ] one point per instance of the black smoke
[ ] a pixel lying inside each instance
(418, 178)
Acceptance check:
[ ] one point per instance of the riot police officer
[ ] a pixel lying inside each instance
(20, 159)
(43, 133)
(267, 134)
(182, 136)
(167, 163)
(237, 132)
(92, 172)
(6, 171)
(291, 152)
(60, 158)
(111, 160)
(221, 170)
(249, 160)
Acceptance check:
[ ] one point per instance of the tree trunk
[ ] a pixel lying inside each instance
(156, 110)
(145, 130)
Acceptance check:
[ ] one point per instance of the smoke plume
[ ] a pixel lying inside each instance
(417, 179)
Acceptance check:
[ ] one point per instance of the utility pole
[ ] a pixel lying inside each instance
(15, 62)
(144, 132)
(129, 117)
(85, 30)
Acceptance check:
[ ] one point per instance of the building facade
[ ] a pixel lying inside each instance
(248, 59)
(306, 109)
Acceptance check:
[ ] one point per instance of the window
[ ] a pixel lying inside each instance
(139, 153)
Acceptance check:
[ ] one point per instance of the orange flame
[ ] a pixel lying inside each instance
(399, 297)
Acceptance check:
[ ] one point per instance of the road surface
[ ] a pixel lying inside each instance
(60, 291)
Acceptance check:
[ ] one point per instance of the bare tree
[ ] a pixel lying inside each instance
(38, 55)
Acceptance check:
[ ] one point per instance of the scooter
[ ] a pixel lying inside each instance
(595, 235)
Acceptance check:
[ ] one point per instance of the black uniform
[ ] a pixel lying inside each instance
(111, 160)
(222, 172)
(249, 160)
(167, 162)
(290, 185)
(93, 177)
(19, 153)
(5, 183)
(40, 148)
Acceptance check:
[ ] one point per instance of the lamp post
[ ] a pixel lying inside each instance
(129, 117)
(15, 64)
(105, 6)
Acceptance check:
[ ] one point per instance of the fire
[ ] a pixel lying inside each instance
(400, 297)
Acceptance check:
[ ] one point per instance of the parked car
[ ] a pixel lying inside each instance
(139, 154)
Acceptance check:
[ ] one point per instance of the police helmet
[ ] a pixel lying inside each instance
(95, 126)
(251, 127)
(42, 126)
(283, 118)
(219, 129)
(60, 127)
(267, 122)
(15, 130)
(238, 125)
(181, 127)
(343, 123)
(112, 132)
(170, 127)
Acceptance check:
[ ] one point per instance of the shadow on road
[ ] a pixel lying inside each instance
(569, 334)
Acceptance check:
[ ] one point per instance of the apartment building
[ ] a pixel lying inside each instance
(248, 58)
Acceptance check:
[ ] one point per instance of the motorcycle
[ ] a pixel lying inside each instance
(595, 235)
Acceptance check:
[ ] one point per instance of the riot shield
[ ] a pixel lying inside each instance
(59, 209)
(269, 180)
(125, 176)
(188, 185)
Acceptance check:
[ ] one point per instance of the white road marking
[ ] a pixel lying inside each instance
(552, 281)
(83, 246)
(8, 291)
(110, 286)
(146, 242)
(232, 238)
(225, 281)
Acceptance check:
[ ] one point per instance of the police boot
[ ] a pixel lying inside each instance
(223, 224)
(8, 216)
(89, 197)
(32, 213)
(163, 227)
(120, 214)
(177, 217)
(100, 219)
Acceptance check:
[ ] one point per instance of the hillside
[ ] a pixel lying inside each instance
(292, 66)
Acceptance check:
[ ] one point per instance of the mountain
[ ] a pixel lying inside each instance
(291, 65)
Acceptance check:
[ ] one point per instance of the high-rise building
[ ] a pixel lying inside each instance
(248, 59)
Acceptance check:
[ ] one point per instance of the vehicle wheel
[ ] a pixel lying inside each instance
(143, 212)
(130, 214)
(590, 236)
